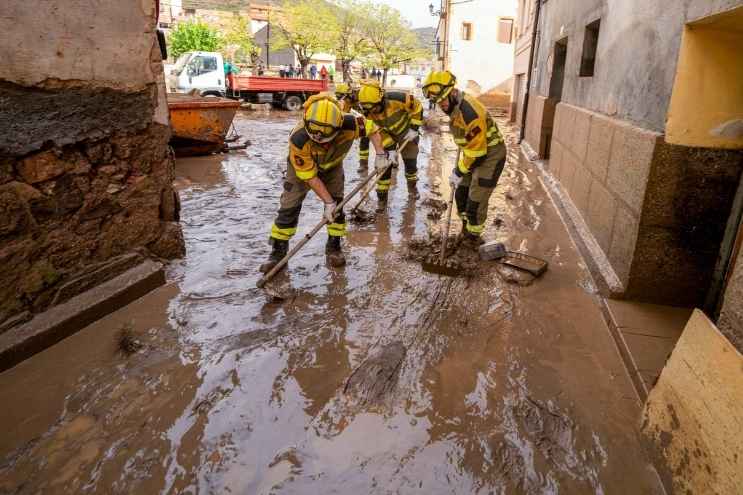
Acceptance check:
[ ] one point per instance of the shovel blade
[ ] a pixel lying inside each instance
(440, 269)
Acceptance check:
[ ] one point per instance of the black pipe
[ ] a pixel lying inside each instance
(533, 48)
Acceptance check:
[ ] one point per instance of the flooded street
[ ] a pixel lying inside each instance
(374, 378)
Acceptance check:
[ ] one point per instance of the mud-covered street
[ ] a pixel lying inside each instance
(374, 378)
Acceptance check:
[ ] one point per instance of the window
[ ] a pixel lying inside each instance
(505, 30)
(590, 42)
(466, 31)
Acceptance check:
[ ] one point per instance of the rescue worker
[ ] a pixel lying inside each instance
(317, 146)
(348, 98)
(398, 116)
(483, 151)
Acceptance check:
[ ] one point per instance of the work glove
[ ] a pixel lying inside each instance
(411, 135)
(455, 178)
(381, 162)
(329, 212)
(392, 157)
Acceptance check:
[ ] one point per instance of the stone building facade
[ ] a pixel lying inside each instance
(85, 167)
(637, 107)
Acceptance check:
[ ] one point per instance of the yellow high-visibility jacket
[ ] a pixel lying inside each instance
(307, 156)
(474, 131)
(401, 112)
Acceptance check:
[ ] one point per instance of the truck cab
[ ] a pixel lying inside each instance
(203, 71)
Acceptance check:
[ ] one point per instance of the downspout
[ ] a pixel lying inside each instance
(532, 49)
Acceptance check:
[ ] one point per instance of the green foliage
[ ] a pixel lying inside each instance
(238, 42)
(193, 36)
(390, 36)
(350, 41)
(307, 26)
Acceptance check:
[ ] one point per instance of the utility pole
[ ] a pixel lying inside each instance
(268, 39)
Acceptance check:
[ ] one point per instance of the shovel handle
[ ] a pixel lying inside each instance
(268, 276)
(445, 237)
(379, 174)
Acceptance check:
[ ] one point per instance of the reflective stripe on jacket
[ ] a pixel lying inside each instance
(401, 111)
(474, 131)
(307, 156)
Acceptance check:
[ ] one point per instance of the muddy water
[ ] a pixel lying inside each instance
(373, 378)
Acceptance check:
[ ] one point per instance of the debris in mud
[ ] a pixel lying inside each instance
(428, 250)
(436, 207)
(376, 377)
(128, 343)
(498, 222)
(362, 217)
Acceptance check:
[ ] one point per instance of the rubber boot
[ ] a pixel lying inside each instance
(471, 241)
(413, 188)
(280, 248)
(381, 200)
(334, 252)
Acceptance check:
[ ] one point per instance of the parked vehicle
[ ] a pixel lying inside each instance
(204, 71)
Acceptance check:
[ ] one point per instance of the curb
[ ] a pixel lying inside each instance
(63, 320)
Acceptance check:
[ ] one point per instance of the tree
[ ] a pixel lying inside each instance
(193, 36)
(391, 39)
(307, 27)
(350, 38)
(238, 42)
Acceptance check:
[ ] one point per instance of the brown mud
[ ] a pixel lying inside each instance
(374, 378)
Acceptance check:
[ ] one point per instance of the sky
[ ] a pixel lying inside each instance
(416, 11)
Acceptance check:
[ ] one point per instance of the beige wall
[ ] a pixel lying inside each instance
(100, 42)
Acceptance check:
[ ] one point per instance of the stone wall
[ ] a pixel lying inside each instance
(657, 211)
(85, 167)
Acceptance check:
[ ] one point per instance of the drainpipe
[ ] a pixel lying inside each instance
(532, 49)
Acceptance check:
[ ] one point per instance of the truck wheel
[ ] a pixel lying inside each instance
(293, 103)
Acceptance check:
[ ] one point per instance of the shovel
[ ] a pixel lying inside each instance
(441, 267)
(268, 276)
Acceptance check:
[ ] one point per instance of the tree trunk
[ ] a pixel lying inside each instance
(346, 71)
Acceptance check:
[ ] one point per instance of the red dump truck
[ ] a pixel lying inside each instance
(278, 91)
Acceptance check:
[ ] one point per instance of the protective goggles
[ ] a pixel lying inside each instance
(320, 131)
(435, 92)
(368, 107)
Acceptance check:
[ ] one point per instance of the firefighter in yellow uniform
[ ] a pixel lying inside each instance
(317, 146)
(348, 99)
(398, 116)
(483, 151)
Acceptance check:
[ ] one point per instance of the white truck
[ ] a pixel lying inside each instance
(197, 70)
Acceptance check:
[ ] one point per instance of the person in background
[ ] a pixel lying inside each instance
(290, 71)
(260, 68)
(331, 73)
(282, 70)
(398, 116)
(313, 71)
(323, 72)
(298, 70)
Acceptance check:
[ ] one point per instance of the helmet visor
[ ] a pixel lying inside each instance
(435, 92)
(320, 131)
